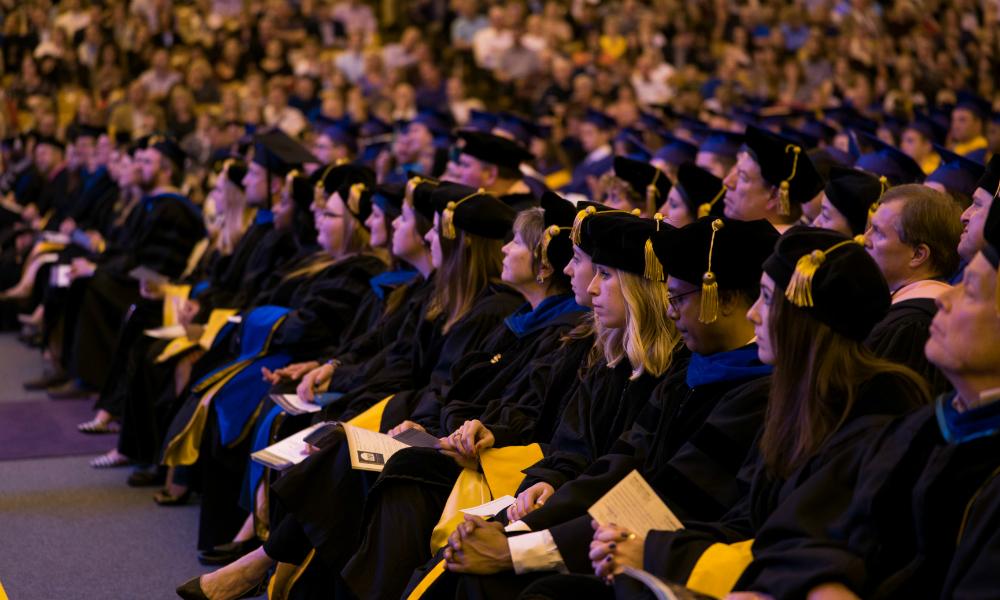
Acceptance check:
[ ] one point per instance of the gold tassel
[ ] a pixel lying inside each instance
(354, 198)
(654, 269)
(883, 181)
(799, 291)
(784, 202)
(411, 186)
(705, 209)
(448, 221)
(578, 223)
(709, 285)
(652, 194)
(543, 252)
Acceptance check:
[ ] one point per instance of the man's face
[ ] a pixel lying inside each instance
(973, 220)
(915, 145)
(747, 194)
(255, 184)
(473, 172)
(591, 137)
(893, 256)
(965, 125)
(957, 344)
(149, 165)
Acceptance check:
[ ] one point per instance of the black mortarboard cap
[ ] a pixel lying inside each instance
(676, 151)
(854, 193)
(585, 211)
(473, 211)
(93, 131)
(557, 247)
(619, 240)
(974, 103)
(831, 277)
(389, 198)
(800, 137)
(718, 254)
(494, 149)
(649, 182)
(49, 140)
(340, 135)
(700, 190)
(236, 170)
(824, 159)
(301, 189)
(956, 173)
(990, 181)
(169, 148)
(629, 143)
(279, 153)
(784, 164)
(884, 159)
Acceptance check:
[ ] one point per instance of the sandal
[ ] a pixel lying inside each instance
(110, 461)
(96, 426)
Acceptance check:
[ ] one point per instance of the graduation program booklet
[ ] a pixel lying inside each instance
(288, 452)
(293, 405)
(370, 450)
(634, 505)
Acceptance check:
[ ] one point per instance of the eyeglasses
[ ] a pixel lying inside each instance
(673, 299)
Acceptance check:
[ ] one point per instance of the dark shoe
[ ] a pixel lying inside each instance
(71, 390)
(47, 380)
(163, 498)
(191, 590)
(223, 554)
(147, 477)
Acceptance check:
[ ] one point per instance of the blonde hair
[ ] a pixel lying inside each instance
(649, 337)
(356, 241)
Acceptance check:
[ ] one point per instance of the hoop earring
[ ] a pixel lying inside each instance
(540, 279)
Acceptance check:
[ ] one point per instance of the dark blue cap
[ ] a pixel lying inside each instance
(928, 127)
(629, 142)
(883, 159)
(480, 120)
(800, 137)
(676, 151)
(650, 121)
(956, 173)
(718, 141)
(849, 118)
(438, 123)
(599, 119)
(974, 103)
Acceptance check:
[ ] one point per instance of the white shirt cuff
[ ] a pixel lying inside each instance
(535, 552)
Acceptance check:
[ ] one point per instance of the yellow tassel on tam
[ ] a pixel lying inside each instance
(652, 195)
(799, 290)
(354, 197)
(705, 209)
(578, 223)
(709, 285)
(653, 270)
(448, 221)
(784, 204)
(411, 186)
(543, 249)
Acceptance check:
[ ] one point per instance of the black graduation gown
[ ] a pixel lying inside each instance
(901, 336)
(902, 507)
(497, 374)
(673, 555)
(322, 304)
(170, 227)
(322, 494)
(973, 569)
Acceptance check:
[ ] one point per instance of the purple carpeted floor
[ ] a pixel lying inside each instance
(42, 428)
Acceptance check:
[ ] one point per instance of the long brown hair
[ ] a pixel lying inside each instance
(817, 374)
(469, 263)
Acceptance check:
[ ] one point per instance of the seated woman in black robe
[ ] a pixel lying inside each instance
(465, 307)
(312, 304)
(640, 350)
(917, 515)
(820, 296)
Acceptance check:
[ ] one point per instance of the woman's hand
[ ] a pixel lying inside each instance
(474, 437)
(316, 380)
(404, 426)
(529, 500)
(292, 372)
(449, 446)
(478, 547)
(614, 548)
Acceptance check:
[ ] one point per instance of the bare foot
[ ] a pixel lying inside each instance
(234, 579)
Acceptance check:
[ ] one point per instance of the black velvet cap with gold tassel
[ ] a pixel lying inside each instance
(785, 165)
(832, 278)
(584, 209)
(619, 240)
(855, 195)
(700, 190)
(556, 248)
(717, 253)
(581, 232)
(650, 183)
(473, 211)
(418, 194)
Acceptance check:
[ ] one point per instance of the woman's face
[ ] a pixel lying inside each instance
(831, 218)
(434, 241)
(580, 270)
(760, 315)
(284, 210)
(331, 225)
(606, 297)
(675, 211)
(517, 262)
(377, 226)
(406, 240)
